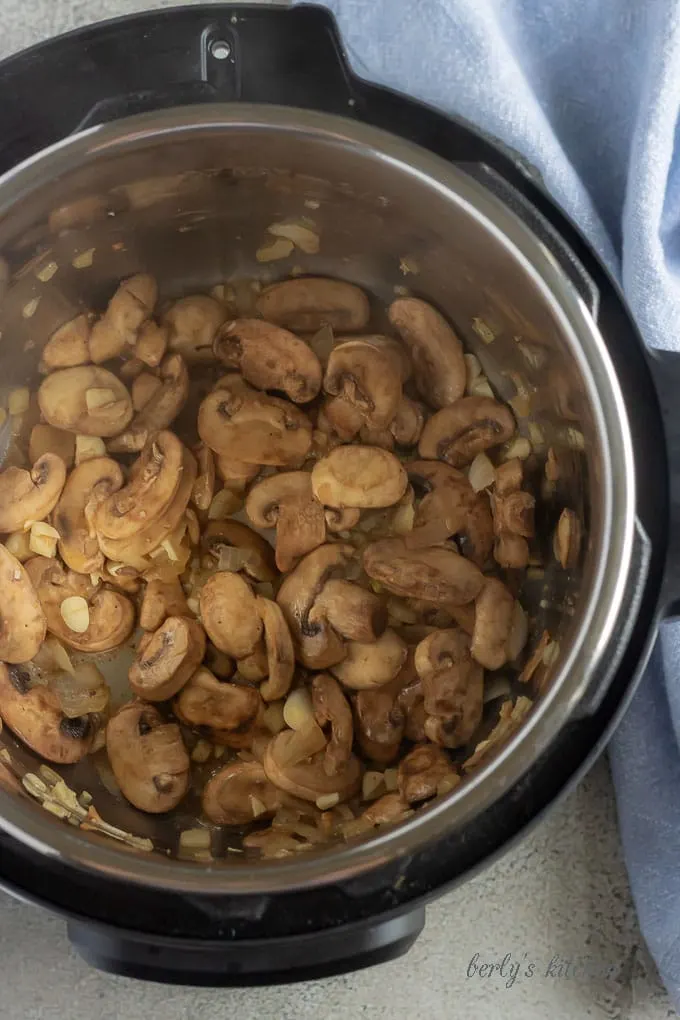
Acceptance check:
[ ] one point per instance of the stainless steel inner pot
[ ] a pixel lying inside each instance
(187, 195)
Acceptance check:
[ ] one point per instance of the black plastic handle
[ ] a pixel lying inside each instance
(665, 366)
(248, 962)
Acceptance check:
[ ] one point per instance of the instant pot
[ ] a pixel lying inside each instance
(166, 143)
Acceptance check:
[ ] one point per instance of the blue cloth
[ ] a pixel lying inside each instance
(589, 92)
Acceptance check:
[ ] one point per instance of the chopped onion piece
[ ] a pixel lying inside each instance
(297, 710)
(482, 473)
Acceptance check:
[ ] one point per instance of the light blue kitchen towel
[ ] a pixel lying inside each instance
(589, 92)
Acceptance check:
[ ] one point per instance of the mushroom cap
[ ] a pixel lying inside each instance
(359, 476)
(234, 533)
(269, 357)
(472, 425)
(63, 401)
(371, 664)
(68, 345)
(308, 779)
(148, 758)
(167, 658)
(436, 575)
(307, 303)
(193, 322)
(160, 410)
(30, 495)
(264, 429)
(436, 351)
(368, 377)
(22, 620)
(205, 701)
(287, 501)
(230, 615)
(35, 716)
(88, 484)
(421, 771)
(239, 793)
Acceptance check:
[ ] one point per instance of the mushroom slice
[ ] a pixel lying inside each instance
(162, 598)
(27, 496)
(230, 614)
(339, 419)
(436, 575)
(338, 520)
(453, 687)
(270, 358)
(108, 615)
(167, 658)
(360, 477)
(356, 614)
(88, 484)
(46, 439)
(148, 758)
(205, 701)
(305, 304)
(258, 555)
(316, 643)
(68, 345)
(22, 620)
(263, 429)
(234, 473)
(458, 433)
(371, 664)
(144, 387)
(204, 486)
(279, 647)
(308, 779)
(154, 481)
(240, 793)
(331, 708)
(193, 323)
(381, 715)
(494, 615)
(368, 378)
(450, 507)
(118, 327)
(408, 423)
(35, 716)
(437, 353)
(88, 400)
(424, 772)
(161, 409)
(152, 342)
(286, 501)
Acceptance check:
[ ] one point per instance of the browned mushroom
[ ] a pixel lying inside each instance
(456, 434)
(68, 345)
(87, 399)
(360, 477)
(27, 496)
(256, 558)
(453, 687)
(118, 327)
(368, 378)
(424, 772)
(162, 598)
(160, 410)
(286, 501)
(408, 423)
(269, 357)
(34, 714)
(46, 439)
(230, 615)
(22, 619)
(513, 516)
(437, 575)
(88, 484)
(381, 714)
(279, 650)
(235, 474)
(148, 758)
(193, 323)
(216, 706)
(307, 778)
(332, 708)
(144, 387)
(450, 507)
(240, 793)
(494, 612)
(305, 304)
(437, 353)
(371, 664)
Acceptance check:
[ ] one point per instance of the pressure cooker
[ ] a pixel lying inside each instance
(231, 116)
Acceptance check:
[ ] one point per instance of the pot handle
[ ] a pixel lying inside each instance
(273, 961)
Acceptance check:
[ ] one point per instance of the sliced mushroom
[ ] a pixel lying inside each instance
(408, 423)
(371, 664)
(308, 779)
(118, 327)
(204, 486)
(279, 648)
(213, 705)
(513, 516)
(367, 378)
(342, 519)
(437, 575)
(331, 708)
(27, 496)
(263, 429)
(22, 620)
(68, 345)
(144, 387)
(46, 439)
(437, 353)
(453, 687)
(148, 758)
(152, 343)
(88, 400)
(160, 410)
(193, 323)
(458, 433)
(514, 513)
(88, 484)
(494, 613)
(339, 419)
(286, 501)
(234, 473)
(360, 477)
(103, 620)
(230, 614)
(162, 598)
(34, 714)
(305, 304)
(166, 658)
(356, 614)
(258, 556)
(382, 712)
(424, 772)
(450, 507)
(240, 793)
(269, 357)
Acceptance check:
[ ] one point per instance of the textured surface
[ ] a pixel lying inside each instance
(560, 896)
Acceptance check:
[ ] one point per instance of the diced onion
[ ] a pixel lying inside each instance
(482, 473)
(297, 710)
(327, 801)
(232, 558)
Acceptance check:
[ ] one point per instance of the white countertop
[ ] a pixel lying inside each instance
(557, 905)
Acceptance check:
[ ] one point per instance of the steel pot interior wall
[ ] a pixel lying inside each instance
(188, 195)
